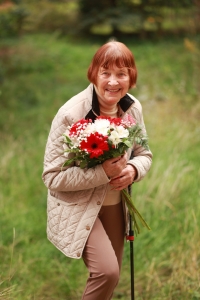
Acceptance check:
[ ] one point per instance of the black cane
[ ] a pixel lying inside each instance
(130, 238)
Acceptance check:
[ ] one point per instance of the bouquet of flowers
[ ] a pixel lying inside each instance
(91, 143)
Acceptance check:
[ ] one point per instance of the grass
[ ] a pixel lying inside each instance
(166, 258)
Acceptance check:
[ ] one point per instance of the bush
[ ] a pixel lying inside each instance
(51, 17)
(12, 18)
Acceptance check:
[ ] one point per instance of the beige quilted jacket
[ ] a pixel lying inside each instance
(75, 195)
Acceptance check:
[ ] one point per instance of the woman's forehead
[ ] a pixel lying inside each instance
(112, 67)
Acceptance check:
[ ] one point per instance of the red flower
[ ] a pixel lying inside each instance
(78, 126)
(116, 121)
(95, 144)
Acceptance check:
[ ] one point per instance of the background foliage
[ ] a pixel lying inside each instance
(132, 16)
(40, 69)
(113, 17)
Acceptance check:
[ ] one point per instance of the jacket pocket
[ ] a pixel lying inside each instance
(63, 217)
(72, 197)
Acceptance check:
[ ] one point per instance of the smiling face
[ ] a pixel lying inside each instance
(111, 85)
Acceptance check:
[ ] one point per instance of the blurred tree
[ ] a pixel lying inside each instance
(125, 15)
(12, 17)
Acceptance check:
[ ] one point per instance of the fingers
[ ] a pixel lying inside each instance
(119, 183)
(124, 179)
(114, 166)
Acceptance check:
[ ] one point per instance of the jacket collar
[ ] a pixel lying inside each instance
(124, 103)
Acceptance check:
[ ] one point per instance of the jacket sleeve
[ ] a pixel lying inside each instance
(70, 178)
(142, 158)
(142, 161)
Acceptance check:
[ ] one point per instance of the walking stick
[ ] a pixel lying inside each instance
(130, 238)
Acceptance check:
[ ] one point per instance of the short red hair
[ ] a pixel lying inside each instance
(113, 54)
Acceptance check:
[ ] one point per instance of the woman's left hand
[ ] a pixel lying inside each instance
(125, 178)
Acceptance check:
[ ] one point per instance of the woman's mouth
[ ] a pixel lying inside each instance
(113, 90)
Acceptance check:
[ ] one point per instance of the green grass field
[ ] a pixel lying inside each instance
(38, 74)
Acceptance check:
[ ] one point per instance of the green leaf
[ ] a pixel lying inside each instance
(68, 162)
(128, 144)
(83, 164)
(67, 139)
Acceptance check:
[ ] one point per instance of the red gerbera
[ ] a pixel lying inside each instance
(95, 144)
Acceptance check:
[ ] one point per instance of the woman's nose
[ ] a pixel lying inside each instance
(113, 80)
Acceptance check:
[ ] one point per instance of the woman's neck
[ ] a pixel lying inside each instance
(109, 111)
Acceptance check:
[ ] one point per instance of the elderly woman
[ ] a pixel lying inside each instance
(86, 215)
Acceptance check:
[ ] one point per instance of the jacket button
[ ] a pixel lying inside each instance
(98, 202)
(87, 227)
(78, 254)
(58, 204)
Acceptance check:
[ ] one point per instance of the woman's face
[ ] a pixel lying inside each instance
(112, 84)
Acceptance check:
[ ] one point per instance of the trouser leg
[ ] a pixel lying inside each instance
(103, 253)
(112, 218)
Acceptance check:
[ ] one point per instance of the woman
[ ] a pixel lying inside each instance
(86, 216)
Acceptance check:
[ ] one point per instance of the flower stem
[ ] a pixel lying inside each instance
(134, 212)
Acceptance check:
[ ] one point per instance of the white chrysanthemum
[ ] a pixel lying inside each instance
(118, 134)
(114, 138)
(102, 126)
(123, 132)
(90, 128)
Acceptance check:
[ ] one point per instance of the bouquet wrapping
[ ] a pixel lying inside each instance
(91, 143)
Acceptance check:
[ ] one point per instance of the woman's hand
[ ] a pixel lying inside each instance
(125, 178)
(114, 166)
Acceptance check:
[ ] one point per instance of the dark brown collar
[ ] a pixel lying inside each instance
(124, 104)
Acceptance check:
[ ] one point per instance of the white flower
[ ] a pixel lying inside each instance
(102, 126)
(118, 134)
(123, 132)
(90, 128)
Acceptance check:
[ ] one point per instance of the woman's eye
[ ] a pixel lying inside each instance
(105, 74)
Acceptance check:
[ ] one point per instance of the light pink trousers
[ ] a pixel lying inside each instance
(103, 253)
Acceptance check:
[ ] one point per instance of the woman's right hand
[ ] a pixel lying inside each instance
(114, 166)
